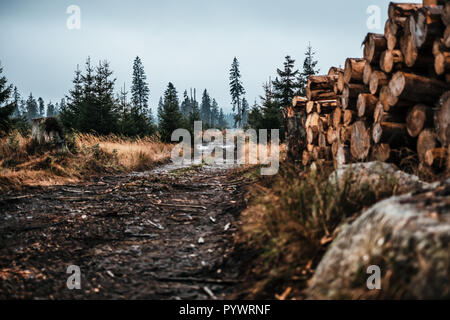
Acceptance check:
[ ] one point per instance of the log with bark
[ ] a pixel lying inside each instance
(354, 69)
(389, 132)
(374, 45)
(419, 117)
(378, 79)
(427, 140)
(360, 141)
(366, 104)
(442, 119)
(415, 88)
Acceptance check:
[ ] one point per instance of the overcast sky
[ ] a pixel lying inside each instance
(188, 42)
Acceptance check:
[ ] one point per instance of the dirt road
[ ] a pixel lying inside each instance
(160, 235)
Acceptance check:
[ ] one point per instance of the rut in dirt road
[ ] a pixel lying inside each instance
(160, 235)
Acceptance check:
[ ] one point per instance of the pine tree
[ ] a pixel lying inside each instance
(170, 115)
(309, 69)
(205, 109)
(70, 113)
(255, 117)
(186, 105)
(32, 108)
(17, 101)
(245, 109)
(222, 123)
(51, 112)
(214, 113)
(105, 117)
(285, 85)
(6, 107)
(123, 110)
(141, 121)
(160, 109)
(237, 91)
(41, 105)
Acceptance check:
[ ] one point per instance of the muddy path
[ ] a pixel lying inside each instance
(160, 235)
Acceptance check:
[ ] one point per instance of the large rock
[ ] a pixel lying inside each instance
(376, 174)
(408, 237)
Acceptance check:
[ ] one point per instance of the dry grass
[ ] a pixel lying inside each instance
(23, 164)
(291, 220)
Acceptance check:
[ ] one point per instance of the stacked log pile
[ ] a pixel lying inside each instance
(396, 97)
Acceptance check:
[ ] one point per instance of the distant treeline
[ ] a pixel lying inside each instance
(93, 105)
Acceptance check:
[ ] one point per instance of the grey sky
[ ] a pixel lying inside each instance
(190, 43)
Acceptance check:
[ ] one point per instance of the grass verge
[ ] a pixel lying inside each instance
(22, 163)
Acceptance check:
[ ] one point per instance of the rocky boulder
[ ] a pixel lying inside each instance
(406, 237)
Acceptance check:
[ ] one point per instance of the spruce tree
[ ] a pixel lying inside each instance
(41, 105)
(51, 112)
(141, 122)
(186, 105)
(309, 69)
(237, 91)
(70, 113)
(17, 103)
(6, 107)
(205, 109)
(170, 115)
(32, 108)
(245, 109)
(285, 85)
(160, 108)
(105, 117)
(214, 113)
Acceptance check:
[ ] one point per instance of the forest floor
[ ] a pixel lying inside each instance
(162, 234)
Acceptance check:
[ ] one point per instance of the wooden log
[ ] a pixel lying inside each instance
(446, 38)
(402, 9)
(351, 93)
(381, 152)
(353, 72)
(396, 114)
(387, 98)
(331, 135)
(360, 141)
(306, 158)
(415, 88)
(310, 147)
(342, 155)
(427, 140)
(340, 83)
(299, 101)
(442, 119)
(366, 104)
(378, 79)
(391, 60)
(389, 132)
(374, 45)
(321, 87)
(418, 118)
(348, 117)
(312, 120)
(436, 158)
(312, 135)
(345, 134)
(335, 71)
(441, 58)
(322, 140)
(337, 118)
(310, 107)
(427, 26)
(446, 14)
(393, 31)
(367, 72)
